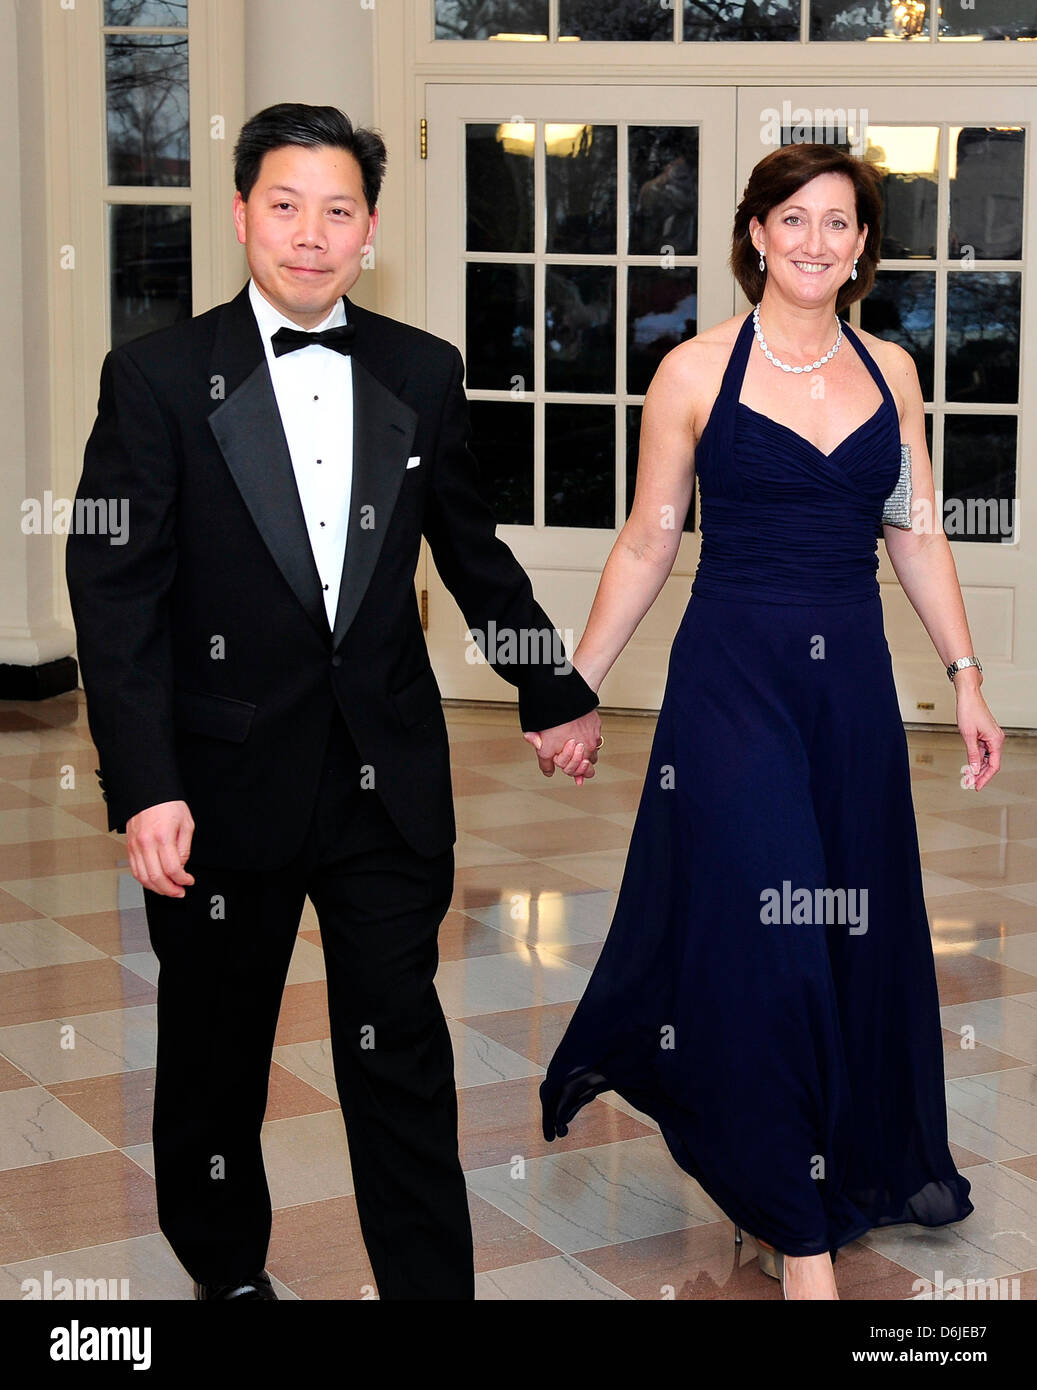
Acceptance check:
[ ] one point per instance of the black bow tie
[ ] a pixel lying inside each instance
(340, 338)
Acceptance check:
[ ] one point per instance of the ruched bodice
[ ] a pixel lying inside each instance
(782, 522)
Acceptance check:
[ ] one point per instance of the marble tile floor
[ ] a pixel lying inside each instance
(604, 1213)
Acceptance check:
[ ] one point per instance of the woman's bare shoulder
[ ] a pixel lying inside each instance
(694, 368)
(896, 365)
(891, 357)
(697, 364)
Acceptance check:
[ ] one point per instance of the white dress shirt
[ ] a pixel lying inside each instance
(314, 390)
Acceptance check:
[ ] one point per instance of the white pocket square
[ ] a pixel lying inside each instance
(413, 461)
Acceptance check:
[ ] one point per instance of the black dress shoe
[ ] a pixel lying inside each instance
(249, 1289)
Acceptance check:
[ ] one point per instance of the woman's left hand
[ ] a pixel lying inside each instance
(983, 739)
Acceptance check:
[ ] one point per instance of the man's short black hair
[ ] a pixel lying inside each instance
(295, 123)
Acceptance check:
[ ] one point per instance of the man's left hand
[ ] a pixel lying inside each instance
(573, 747)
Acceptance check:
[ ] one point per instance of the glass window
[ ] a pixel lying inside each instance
(572, 301)
(491, 19)
(581, 187)
(502, 439)
(147, 94)
(499, 187)
(580, 465)
(729, 21)
(993, 19)
(986, 193)
(908, 158)
(150, 268)
(663, 189)
(619, 20)
(148, 146)
(867, 19)
(743, 21)
(156, 14)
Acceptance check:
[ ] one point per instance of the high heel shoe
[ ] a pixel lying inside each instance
(772, 1262)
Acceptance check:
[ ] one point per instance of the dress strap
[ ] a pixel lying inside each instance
(872, 366)
(726, 404)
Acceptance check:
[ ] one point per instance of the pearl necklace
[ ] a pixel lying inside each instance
(811, 366)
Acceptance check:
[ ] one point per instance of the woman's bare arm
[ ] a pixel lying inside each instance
(646, 547)
(924, 565)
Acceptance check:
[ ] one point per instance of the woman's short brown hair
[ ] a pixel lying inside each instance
(774, 180)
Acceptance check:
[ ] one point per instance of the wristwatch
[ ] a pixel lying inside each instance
(960, 665)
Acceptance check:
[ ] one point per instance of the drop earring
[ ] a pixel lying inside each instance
(853, 272)
(763, 265)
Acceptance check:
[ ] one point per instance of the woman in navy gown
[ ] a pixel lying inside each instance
(786, 1039)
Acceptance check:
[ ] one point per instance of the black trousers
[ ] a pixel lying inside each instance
(224, 950)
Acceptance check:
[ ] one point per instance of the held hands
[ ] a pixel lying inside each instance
(983, 738)
(159, 841)
(573, 747)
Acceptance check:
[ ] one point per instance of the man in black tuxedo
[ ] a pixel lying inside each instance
(261, 698)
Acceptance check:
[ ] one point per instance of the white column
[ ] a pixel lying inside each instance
(31, 631)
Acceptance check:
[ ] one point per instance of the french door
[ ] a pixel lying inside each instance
(575, 234)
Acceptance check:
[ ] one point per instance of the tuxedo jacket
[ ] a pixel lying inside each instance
(210, 668)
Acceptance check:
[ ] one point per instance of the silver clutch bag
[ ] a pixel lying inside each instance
(896, 510)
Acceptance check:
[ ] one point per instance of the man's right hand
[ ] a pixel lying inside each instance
(159, 841)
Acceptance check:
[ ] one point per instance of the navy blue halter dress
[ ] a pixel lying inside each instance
(786, 1040)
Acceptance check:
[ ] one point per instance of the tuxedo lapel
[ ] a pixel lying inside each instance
(252, 439)
(383, 430)
(248, 429)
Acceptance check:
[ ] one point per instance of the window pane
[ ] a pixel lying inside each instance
(994, 19)
(661, 312)
(581, 188)
(633, 414)
(986, 180)
(852, 19)
(148, 137)
(159, 14)
(663, 189)
(499, 327)
(979, 477)
(580, 341)
(907, 157)
(983, 336)
(825, 125)
(580, 465)
(150, 268)
(490, 19)
(499, 187)
(901, 306)
(748, 20)
(630, 20)
(502, 441)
